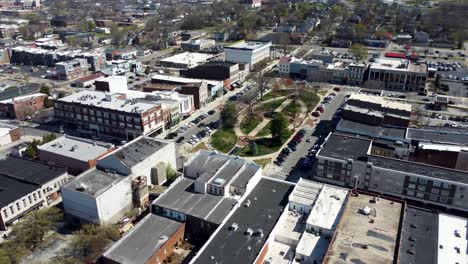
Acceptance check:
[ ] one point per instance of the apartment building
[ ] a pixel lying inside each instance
(400, 75)
(27, 185)
(71, 69)
(348, 161)
(110, 114)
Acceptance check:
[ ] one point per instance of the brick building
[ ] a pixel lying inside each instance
(22, 107)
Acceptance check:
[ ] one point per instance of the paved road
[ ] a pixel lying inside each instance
(290, 169)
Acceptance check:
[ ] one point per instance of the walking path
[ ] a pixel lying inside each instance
(265, 121)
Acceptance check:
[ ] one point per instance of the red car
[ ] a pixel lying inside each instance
(336, 89)
(320, 110)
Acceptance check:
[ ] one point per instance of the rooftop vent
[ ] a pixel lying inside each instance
(248, 232)
(247, 203)
(259, 233)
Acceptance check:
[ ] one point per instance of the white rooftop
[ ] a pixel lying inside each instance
(21, 98)
(452, 239)
(305, 192)
(76, 148)
(312, 246)
(116, 102)
(380, 100)
(442, 147)
(189, 58)
(328, 208)
(398, 65)
(249, 45)
(182, 80)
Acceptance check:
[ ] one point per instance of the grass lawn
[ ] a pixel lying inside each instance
(224, 139)
(270, 105)
(249, 123)
(263, 162)
(199, 147)
(265, 146)
(276, 93)
(265, 131)
(292, 108)
(323, 92)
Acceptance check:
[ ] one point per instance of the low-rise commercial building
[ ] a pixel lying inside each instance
(8, 134)
(88, 81)
(197, 44)
(22, 107)
(139, 158)
(248, 52)
(113, 84)
(75, 154)
(399, 75)
(27, 185)
(186, 60)
(219, 71)
(98, 113)
(155, 237)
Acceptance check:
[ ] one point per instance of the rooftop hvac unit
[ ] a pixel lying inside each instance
(234, 227)
(247, 203)
(248, 232)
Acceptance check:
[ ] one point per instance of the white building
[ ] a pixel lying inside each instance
(139, 157)
(97, 196)
(113, 84)
(452, 239)
(186, 103)
(186, 60)
(248, 52)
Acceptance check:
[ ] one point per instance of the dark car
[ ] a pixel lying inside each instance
(316, 113)
(211, 112)
(201, 124)
(233, 98)
(336, 89)
(179, 140)
(277, 162)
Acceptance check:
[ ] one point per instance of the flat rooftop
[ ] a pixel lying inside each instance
(419, 236)
(328, 207)
(398, 65)
(138, 150)
(31, 171)
(109, 101)
(434, 134)
(76, 148)
(143, 241)
(13, 189)
(422, 169)
(182, 198)
(344, 147)
(248, 45)
(312, 246)
(22, 98)
(359, 241)
(188, 58)
(383, 102)
(94, 182)
(349, 126)
(267, 202)
(452, 239)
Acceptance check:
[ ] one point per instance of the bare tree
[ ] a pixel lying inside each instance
(261, 83)
(249, 99)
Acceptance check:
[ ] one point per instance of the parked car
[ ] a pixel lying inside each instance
(316, 114)
(180, 140)
(211, 112)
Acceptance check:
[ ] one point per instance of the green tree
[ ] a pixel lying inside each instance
(48, 138)
(359, 50)
(45, 89)
(171, 174)
(279, 126)
(48, 103)
(34, 227)
(253, 148)
(31, 149)
(117, 36)
(147, 70)
(336, 12)
(229, 115)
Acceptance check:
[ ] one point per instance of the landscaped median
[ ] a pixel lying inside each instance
(224, 139)
(249, 123)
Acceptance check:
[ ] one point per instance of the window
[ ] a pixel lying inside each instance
(412, 179)
(412, 186)
(420, 195)
(24, 203)
(18, 206)
(5, 212)
(12, 210)
(445, 193)
(435, 190)
(422, 181)
(410, 193)
(433, 198)
(436, 184)
(30, 200)
(443, 200)
(39, 194)
(34, 197)
(422, 188)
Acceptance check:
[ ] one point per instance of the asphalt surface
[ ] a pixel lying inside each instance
(291, 170)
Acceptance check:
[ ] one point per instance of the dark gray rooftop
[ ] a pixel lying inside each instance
(143, 241)
(420, 169)
(94, 182)
(138, 150)
(181, 198)
(371, 131)
(419, 237)
(247, 173)
(31, 171)
(345, 147)
(440, 134)
(267, 201)
(12, 189)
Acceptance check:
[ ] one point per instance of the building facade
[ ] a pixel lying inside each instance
(22, 107)
(251, 53)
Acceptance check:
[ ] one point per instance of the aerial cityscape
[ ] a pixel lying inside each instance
(233, 132)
